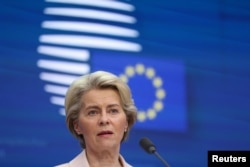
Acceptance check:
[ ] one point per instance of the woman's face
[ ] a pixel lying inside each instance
(101, 120)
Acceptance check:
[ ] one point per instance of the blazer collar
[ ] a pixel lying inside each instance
(81, 160)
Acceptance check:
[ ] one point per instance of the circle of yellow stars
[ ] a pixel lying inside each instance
(157, 83)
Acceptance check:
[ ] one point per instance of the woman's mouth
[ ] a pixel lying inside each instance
(105, 133)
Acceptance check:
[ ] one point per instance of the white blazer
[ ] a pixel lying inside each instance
(81, 161)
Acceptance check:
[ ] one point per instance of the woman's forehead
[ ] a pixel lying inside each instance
(97, 97)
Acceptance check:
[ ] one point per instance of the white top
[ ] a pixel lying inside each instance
(81, 161)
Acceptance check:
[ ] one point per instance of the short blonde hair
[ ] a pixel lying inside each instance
(97, 80)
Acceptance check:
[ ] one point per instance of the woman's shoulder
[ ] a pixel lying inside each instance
(78, 161)
(123, 161)
(63, 165)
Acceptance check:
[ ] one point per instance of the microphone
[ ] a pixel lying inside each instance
(150, 148)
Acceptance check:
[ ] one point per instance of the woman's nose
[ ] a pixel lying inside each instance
(104, 120)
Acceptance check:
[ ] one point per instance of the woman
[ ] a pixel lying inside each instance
(99, 113)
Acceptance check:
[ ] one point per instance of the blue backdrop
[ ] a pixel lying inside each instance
(187, 63)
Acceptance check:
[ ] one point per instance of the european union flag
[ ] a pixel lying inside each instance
(157, 85)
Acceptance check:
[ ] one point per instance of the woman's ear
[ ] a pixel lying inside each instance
(126, 127)
(76, 127)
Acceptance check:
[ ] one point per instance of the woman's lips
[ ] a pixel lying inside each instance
(102, 133)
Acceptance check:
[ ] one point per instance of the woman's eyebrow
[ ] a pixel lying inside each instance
(113, 105)
(91, 107)
(96, 107)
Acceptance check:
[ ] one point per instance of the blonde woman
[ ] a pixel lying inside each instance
(100, 113)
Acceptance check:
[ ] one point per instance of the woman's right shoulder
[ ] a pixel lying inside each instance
(63, 165)
(78, 161)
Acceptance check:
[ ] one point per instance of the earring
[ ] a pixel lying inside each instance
(125, 130)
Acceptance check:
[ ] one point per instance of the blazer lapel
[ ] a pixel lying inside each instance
(80, 160)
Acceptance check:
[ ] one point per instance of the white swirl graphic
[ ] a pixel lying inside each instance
(73, 28)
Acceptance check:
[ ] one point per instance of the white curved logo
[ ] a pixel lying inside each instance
(71, 32)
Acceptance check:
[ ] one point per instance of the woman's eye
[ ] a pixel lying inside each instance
(114, 111)
(92, 113)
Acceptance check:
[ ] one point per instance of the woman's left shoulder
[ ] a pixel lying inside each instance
(124, 163)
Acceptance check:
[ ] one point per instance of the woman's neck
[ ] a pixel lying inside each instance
(103, 158)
